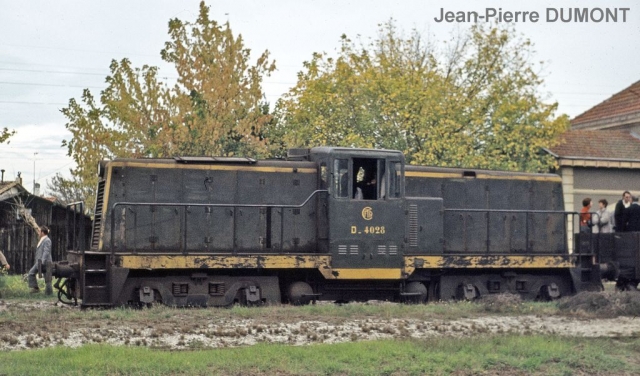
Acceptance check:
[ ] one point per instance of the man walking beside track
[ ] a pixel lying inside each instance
(43, 254)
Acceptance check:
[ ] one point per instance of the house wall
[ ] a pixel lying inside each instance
(596, 183)
(599, 183)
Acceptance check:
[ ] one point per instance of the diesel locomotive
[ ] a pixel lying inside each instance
(326, 223)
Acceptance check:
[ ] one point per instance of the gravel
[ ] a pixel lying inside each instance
(218, 332)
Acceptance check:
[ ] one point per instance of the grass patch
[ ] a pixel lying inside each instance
(508, 355)
(16, 287)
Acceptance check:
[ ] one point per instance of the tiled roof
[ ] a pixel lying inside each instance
(624, 103)
(617, 145)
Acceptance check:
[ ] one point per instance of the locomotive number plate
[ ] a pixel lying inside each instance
(369, 230)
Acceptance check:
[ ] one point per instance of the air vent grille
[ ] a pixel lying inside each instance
(217, 288)
(180, 289)
(413, 225)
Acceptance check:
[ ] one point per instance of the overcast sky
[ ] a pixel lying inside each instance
(51, 50)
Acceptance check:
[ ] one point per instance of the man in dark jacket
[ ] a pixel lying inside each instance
(620, 214)
(633, 216)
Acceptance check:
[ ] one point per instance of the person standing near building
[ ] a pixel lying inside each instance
(3, 262)
(602, 219)
(43, 253)
(585, 216)
(4, 265)
(633, 216)
(620, 214)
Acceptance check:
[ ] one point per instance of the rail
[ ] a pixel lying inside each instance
(186, 206)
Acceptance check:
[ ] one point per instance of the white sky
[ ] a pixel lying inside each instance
(51, 50)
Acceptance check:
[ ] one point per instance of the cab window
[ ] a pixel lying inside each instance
(324, 176)
(368, 181)
(341, 178)
(395, 180)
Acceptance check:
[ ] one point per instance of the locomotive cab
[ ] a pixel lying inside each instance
(366, 198)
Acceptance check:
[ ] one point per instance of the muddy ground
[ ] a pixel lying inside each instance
(197, 328)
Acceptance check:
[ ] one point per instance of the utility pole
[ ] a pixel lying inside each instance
(34, 173)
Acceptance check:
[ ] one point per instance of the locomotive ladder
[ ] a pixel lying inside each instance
(95, 266)
(95, 280)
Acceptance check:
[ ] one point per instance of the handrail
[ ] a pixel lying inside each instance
(188, 205)
(513, 211)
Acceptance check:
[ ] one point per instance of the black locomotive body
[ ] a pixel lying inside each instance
(325, 224)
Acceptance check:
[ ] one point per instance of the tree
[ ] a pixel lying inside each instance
(5, 134)
(474, 104)
(66, 191)
(216, 106)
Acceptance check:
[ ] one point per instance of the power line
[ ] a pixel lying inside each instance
(38, 103)
(52, 85)
(56, 72)
(75, 50)
(48, 65)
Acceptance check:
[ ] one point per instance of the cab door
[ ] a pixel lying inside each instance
(366, 213)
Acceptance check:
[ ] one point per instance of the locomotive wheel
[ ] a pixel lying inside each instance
(416, 293)
(550, 292)
(300, 293)
(468, 291)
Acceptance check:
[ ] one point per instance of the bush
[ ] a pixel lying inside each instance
(501, 303)
(603, 304)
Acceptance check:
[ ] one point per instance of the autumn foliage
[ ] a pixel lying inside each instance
(474, 103)
(215, 107)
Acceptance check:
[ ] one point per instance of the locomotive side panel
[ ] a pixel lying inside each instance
(507, 231)
(547, 229)
(424, 227)
(209, 229)
(166, 208)
(462, 228)
(505, 213)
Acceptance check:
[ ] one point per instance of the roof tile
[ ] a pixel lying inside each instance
(625, 102)
(606, 144)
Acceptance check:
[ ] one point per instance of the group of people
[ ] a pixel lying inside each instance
(625, 218)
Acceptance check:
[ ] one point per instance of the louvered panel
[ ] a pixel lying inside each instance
(413, 225)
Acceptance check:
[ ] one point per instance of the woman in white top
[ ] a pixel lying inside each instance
(602, 220)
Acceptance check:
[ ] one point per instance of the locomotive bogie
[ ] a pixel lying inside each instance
(531, 284)
(198, 290)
